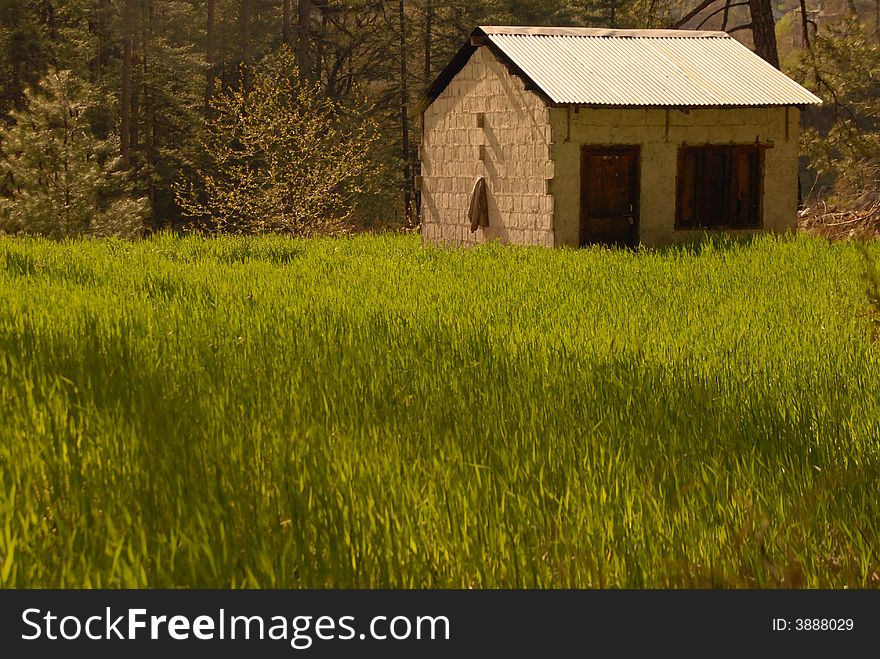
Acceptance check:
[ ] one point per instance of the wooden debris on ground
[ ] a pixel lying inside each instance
(859, 222)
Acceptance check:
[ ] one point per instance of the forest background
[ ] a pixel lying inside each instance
(300, 116)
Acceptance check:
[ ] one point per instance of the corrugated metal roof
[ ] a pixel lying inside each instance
(589, 66)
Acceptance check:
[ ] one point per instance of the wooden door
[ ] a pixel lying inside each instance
(610, 195)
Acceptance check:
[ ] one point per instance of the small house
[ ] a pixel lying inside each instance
(576, 136)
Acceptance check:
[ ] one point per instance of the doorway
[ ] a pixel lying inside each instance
(609, 195)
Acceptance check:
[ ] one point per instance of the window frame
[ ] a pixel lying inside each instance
(730, 153)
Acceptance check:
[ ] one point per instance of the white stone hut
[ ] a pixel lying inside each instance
(574, 136)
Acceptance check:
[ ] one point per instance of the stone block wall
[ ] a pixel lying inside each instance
(659, 146)
(511, 150)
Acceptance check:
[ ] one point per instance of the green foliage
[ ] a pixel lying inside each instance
(843, 144)
(60, 179)
(365, 412)
(284, 157)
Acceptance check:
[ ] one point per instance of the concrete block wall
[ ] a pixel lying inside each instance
(511, 150)
(659, 160)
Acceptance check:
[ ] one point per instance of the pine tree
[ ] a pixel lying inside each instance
(60, 180)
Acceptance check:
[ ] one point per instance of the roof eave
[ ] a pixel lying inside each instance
(610, 106)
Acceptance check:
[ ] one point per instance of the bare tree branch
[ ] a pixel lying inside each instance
(804, 26)
(693, 12)
(747, 26)
(725, 9)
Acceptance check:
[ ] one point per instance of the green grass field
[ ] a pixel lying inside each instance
(365, 412)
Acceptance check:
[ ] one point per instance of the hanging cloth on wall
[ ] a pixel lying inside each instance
(478, 212)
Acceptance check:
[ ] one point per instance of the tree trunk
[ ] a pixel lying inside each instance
(222, 56)
(764, 30)
(51, 21)
(404, 115)
(322, 47)
(285, 23)
(209, 54)
(244, 33)
(805, 26)
(148, 110)
(304, 36)
(125, 101)
(136, 47)
(99, 19)
(877, 20)
(429, 26)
